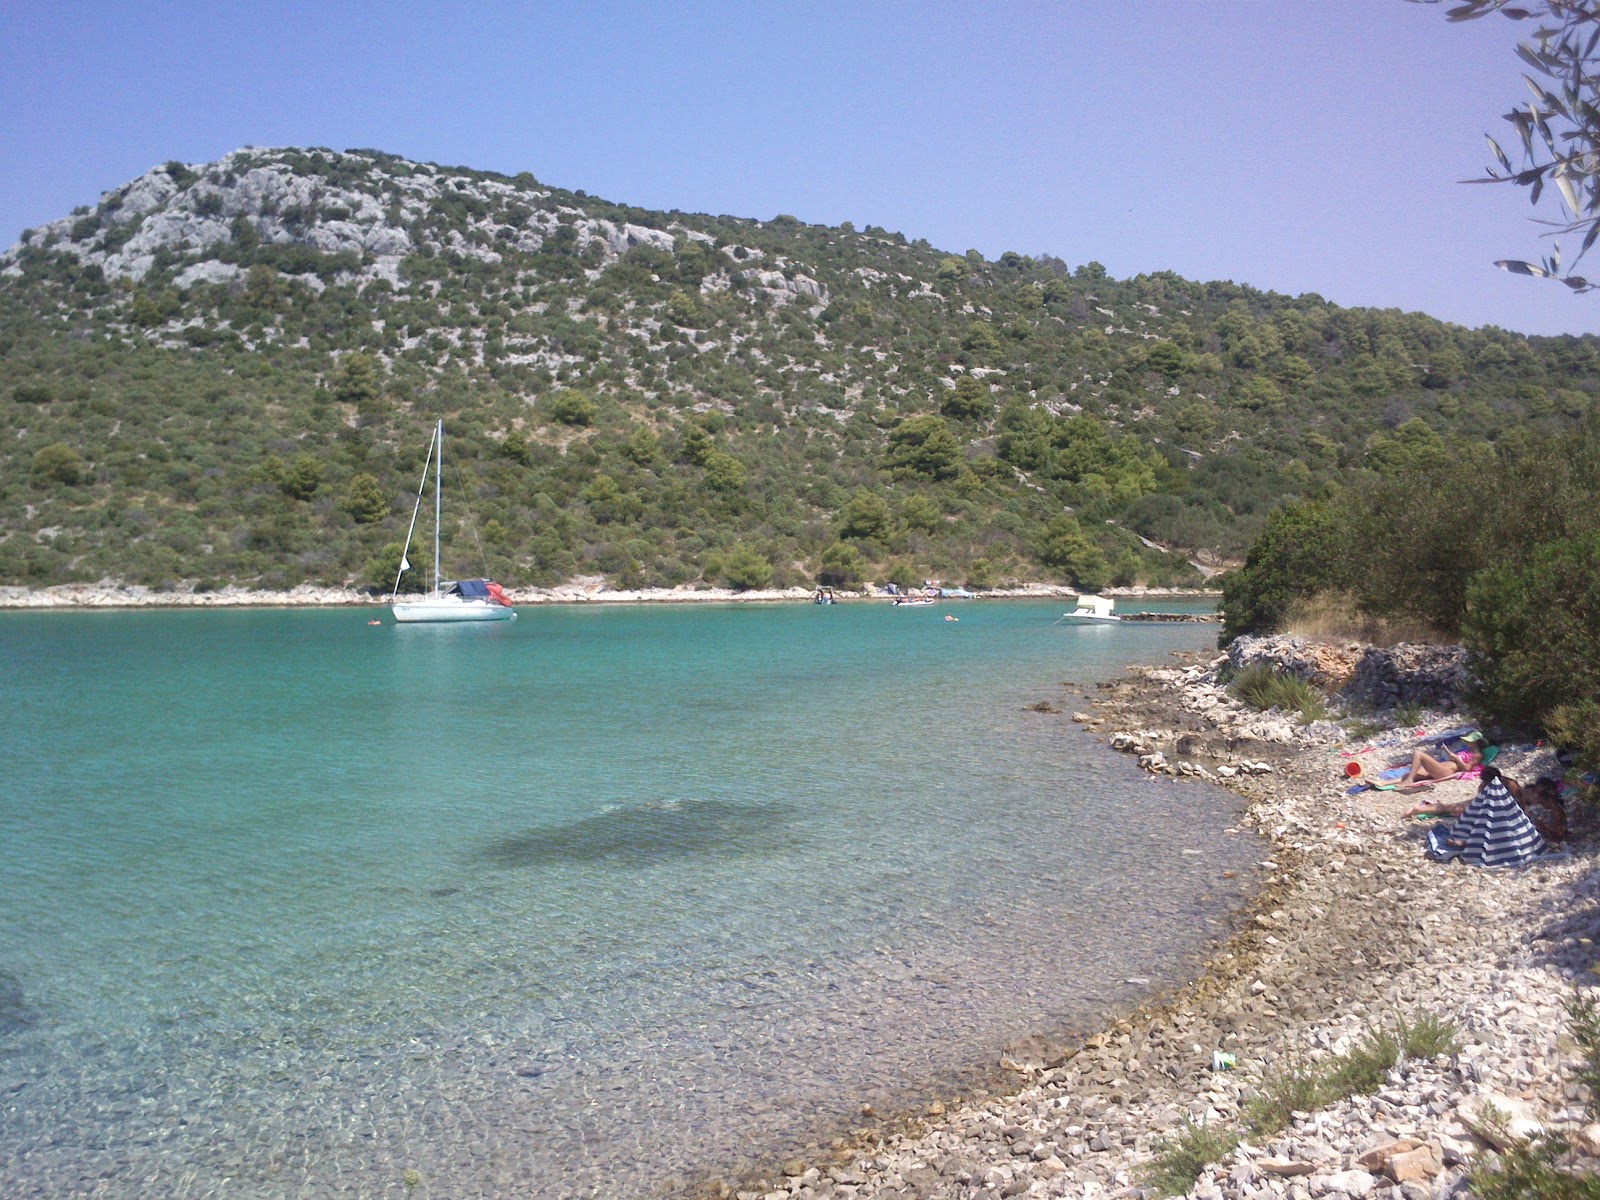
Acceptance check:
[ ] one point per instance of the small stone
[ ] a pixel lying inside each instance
(1284, 1167)
(1373, 1159)
(1352, 1183)
(1414, 1166)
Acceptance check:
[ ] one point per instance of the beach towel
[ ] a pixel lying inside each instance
(1493, 832)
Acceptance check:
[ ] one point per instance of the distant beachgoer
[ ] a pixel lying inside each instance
(1426, 768)
(1532, 795)
(1541, 800)
(1492, 832)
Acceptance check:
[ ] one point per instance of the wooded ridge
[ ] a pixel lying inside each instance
(226, 373)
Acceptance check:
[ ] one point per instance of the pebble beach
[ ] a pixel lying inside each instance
(1354, 930)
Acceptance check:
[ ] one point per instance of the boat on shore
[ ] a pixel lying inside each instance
(450, 600)
(1091, 610)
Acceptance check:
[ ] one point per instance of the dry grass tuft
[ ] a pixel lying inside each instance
(1334, 616)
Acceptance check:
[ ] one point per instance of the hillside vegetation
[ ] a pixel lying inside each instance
(227, 373)
(1499, 549)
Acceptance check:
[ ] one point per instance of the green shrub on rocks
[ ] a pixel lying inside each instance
(1359, 1070)
(1362, 1068)
(1282, 1094)
(1427, 1037)
(1178, 1162)
(1534, 1170)
(1261, 687)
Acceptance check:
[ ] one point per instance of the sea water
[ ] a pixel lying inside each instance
(593, 903)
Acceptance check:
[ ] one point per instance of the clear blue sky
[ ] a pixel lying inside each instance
(1301, 147)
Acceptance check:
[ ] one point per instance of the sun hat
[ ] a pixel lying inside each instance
(1474, 736)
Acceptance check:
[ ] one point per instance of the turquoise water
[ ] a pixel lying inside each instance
(585, 904)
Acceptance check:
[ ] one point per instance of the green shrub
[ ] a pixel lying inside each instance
(1303, 549)
(1298, 1089)
(1262, 687)
(364, 499)
(1407, 714)
(865, 517)
(1064, 546)
(32, 393)
(1362, 1068)
(1427, 1036)
(922, 448)
(1535, 631)
(59, 463)
(569, 407)
(744, 569)
(841, 566)
(1178, 1162)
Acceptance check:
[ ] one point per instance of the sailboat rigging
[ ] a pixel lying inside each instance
(450, 600)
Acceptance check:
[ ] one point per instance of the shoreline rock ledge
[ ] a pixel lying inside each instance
(1352, 928)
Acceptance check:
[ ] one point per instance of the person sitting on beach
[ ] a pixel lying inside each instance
(1541, 800)
(1425, 768)
(1492, 832)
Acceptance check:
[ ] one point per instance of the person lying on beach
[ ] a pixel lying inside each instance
(1492, 832)
(1540, 800)
(1425, 768)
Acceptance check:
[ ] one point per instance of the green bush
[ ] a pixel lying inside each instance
(303, 478)
(1064, 546)
(1303, 549)
(569, 407)
(1179, 1161)
(1535, 631)
(969, 400)
(1262, 687)
(841, 566)
(746, 570)
(1362, 1068)
(922, 448)
(865, 517)
(1281, 1095)
(59, 463)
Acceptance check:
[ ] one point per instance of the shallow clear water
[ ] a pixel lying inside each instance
(585, 904)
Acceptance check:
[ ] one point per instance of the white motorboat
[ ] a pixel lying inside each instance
(450, 600)
(1091, 610)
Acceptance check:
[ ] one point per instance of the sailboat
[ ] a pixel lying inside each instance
(450, 600)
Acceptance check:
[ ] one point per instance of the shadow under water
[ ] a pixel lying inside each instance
(641, 835)
(13, 1009)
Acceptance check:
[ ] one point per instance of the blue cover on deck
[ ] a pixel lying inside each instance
(473, 589)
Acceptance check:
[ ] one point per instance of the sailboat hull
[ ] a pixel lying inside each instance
(450, 608)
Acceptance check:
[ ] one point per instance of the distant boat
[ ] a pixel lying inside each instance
(1091, 610)
(450, 600)
(912, 601)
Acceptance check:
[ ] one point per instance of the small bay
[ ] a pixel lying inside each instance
(584, 904)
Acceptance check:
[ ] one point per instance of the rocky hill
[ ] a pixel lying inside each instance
(226, 372)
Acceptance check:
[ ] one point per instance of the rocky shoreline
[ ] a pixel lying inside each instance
(1353, 928)
(110, 594)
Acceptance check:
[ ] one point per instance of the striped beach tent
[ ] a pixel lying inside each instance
(1492, 832)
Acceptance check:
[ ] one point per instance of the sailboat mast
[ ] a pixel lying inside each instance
(438, 491)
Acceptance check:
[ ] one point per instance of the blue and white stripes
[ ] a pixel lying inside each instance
(1492, 832)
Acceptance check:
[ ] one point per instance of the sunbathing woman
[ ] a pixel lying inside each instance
(1425, 768)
